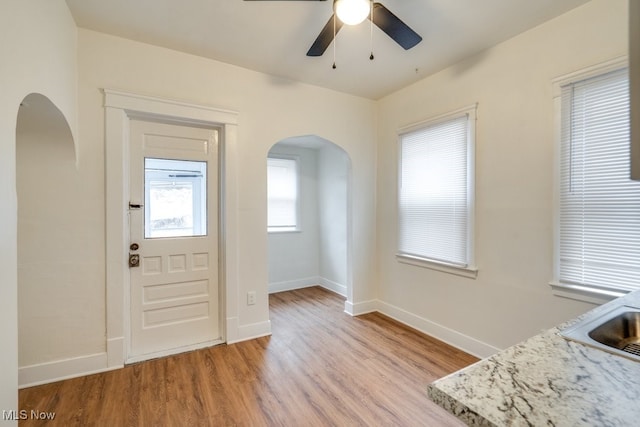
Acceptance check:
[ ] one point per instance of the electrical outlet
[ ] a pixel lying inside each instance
(251, 298)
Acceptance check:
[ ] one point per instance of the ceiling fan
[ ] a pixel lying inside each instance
(353, 12)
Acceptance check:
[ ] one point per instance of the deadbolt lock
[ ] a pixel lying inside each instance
(134, 260)
(134, 247)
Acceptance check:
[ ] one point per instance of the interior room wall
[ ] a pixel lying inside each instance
(333, 184)
(512, 83)
(39, 56)
(294, 257)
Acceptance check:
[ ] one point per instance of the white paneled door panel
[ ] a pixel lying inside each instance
(174, 296)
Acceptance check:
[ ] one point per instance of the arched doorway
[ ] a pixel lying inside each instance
(46, 184)
(315, 251)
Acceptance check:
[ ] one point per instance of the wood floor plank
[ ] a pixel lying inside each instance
(320, 367)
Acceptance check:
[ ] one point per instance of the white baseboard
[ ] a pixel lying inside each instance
(290, 285)
(251, 331)
(115, 352)
(450, 336)
(360, 307)
(49, 372)
(232, 330)
(307, 282)
(333, 286)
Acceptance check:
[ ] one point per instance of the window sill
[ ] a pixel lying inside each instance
(585, 293)
(469, 272)
(288, 231)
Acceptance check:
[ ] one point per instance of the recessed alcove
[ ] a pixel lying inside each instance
(50, 234)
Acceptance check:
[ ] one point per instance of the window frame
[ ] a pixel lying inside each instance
(586, 293)
(469, 270)
(297, 228)
(199, 204)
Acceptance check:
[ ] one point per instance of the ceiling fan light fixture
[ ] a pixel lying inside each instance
(352, 12)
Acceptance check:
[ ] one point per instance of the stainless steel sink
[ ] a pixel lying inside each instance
(616, 330)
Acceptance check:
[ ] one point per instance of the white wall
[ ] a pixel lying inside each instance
(510, 300)
(333, 181)
(38, 55)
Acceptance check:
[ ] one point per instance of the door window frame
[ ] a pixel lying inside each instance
(197, 179)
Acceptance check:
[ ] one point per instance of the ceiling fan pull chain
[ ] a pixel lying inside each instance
(371, 30)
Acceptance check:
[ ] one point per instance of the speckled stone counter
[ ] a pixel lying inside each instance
(546, 381)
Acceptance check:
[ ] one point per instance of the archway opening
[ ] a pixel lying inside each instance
(316, 250)
(46, 184)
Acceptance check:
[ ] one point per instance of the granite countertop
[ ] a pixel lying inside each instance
(546, 381)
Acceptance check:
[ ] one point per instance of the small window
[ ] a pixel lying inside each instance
(282, 194)
(175, 198)
(436, 191)
(598, 228)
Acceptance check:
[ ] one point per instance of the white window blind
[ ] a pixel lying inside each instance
(282, 194)
(434, 208)
(599, 227)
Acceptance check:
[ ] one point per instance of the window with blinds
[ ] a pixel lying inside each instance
(282, 194)
(436, 191)
(599, 206)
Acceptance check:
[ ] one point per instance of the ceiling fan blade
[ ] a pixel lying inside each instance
(325, 38)
(394, 27)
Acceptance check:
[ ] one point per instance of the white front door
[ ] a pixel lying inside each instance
(173, 214)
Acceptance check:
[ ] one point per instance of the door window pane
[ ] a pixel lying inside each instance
(175, 194)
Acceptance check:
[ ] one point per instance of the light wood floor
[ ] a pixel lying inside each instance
(320, 367)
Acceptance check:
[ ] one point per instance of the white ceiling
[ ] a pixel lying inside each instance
(273, 36)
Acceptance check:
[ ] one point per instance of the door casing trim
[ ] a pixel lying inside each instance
(120, 108)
